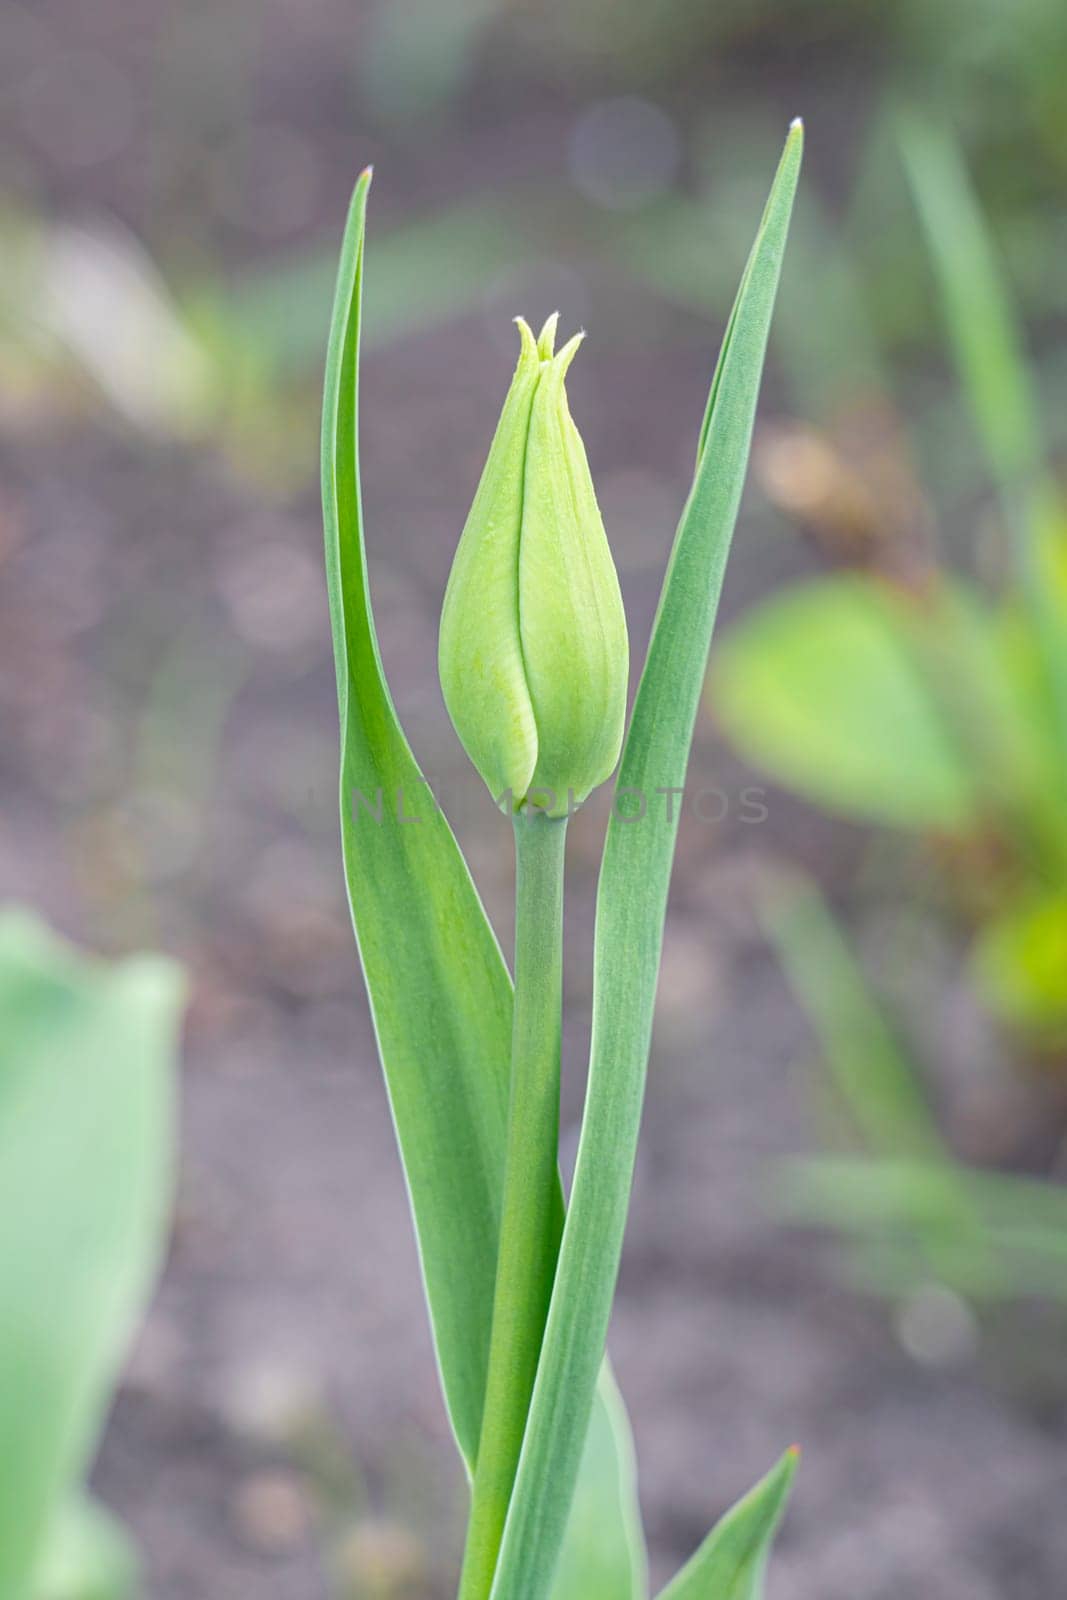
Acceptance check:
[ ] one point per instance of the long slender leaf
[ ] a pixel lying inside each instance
(631, 907)
(730, 1563)
(987, 339)
(990, 352)
(436, 979)
(1024, 1221)
(875, 1077)
(440, 993)
(86, 1122)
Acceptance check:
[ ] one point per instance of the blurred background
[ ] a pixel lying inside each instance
(849, 1223)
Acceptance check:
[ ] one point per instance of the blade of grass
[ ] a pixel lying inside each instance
(870, 1071)
(989, 347)
(1024, 1219)
(987, 340)
(729, 1564)
(439, 991)
(631, 907)
(875, 1078)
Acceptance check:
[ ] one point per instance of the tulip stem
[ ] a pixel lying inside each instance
(532, 1217)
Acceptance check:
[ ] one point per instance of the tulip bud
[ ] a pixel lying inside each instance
(533, 651)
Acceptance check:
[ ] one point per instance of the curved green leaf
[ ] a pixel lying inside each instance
(730, 1563)
(631, 907)
(604, 1552)
(819, 687)
(439, 991)
(86, 1124)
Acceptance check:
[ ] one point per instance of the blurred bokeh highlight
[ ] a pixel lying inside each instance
(850, 1220)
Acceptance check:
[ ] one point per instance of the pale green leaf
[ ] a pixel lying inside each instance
(438, 988)
(821, 688)
(88, 1556)
(86, 1125)
(631, 906)
(730, 1563)
(603, 1552)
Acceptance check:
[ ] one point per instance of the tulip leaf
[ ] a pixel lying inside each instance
(439, 990)
(604, 1553)
(820, 688)
(436, 980)
(730, 1563)
(88, 1556)
(631, 908)
(86, 1123)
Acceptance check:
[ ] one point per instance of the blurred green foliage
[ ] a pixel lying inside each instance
(203, 315)
(911, 696)
(911, 1212)
(88, 1556)
(86, 1130)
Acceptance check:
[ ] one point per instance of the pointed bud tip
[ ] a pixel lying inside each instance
(527, 343)
(367, 173)
(563, 358)
(796, 127)
(546, 339)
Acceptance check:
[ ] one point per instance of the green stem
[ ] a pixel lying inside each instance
(532, 1217)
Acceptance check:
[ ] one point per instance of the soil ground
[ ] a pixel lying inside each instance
(167, 777)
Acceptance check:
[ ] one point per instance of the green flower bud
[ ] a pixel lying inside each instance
(533, 652)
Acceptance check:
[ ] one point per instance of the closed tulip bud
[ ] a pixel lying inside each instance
(533, 650)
